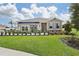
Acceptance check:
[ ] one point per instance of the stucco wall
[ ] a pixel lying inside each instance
(53, 24)
(49, 23)
(28, 25)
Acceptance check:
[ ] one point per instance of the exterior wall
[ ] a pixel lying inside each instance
(53, 24)
(2, 27)
(28, 25)
(49, 23)
(54, 30)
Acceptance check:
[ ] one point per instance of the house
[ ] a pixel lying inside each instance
(2, 28)
(40, 24)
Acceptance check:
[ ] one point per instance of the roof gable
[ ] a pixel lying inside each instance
(56, 19)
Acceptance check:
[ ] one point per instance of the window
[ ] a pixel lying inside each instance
(57, 25)
(26, 29)
(50, 26)
(33, 28)
(22, 28)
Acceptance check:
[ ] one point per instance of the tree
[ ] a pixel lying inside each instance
(74, 9)
(67, 27)
(11, 24)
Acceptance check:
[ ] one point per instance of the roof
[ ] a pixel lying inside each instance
(39, 20)
(2, 25)
(56, 19)
(34, 20)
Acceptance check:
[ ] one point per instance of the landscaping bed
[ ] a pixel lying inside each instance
(72, 41)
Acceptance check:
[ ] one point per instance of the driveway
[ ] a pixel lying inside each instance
(10, 52)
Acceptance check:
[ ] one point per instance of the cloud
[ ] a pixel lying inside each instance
(35, 9)
(22, 15)
(44, 12)
(64, 16)
(27, 13)
(8, 10)
(17, 17)
(52, 9)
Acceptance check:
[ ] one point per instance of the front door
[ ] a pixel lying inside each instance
(44, 27)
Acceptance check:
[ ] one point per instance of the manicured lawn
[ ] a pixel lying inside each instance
(74, 31)
(39, 45)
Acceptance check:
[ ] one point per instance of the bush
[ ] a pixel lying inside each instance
(67, 27)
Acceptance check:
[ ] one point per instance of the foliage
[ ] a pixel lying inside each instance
(74, 9)
(11, 23)
(67, 27)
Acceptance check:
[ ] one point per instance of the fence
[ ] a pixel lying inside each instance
(24, 34)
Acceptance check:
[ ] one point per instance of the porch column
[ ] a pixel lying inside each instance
(29, 30)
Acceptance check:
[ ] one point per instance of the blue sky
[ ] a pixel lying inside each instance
(61, 8)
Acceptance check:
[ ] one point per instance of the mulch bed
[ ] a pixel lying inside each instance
(72, 41)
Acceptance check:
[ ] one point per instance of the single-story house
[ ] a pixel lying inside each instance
(2, 27)
(40, 24)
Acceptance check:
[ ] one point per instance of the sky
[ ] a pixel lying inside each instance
(22, 11)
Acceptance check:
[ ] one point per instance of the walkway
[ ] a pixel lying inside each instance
(10, 52)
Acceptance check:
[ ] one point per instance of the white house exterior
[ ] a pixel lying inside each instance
(40, 24)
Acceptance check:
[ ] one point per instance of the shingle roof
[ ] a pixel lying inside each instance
(39, 20)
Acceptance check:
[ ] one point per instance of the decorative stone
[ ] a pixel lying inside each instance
(15, 34)
(7, 33)
(46, 33)
(37, 33)
(11, 33)
(24, 34)
(20, 34)
(28, 34)
(32, 33)
(3, 33)
(42, 33)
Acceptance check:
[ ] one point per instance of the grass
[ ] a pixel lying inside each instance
(74, 31)
(40, 45)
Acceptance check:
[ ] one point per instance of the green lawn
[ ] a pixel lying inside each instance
(39, 45)
(74, 31)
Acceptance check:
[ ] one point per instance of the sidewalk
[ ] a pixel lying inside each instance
(10, 52)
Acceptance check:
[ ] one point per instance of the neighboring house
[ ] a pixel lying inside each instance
(40, 24)
(2, 28)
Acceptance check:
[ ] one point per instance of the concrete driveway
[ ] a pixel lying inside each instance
(10, 52)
